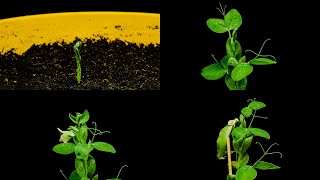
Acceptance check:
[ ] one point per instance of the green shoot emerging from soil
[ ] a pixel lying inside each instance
(77, 48)
(242, 137)
(233, 65)
(85, 164)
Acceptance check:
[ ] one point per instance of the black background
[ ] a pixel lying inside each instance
(172, 133)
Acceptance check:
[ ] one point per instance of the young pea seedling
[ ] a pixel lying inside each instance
(242, 137)
(85, 164)
(77, 48)
(233, 65)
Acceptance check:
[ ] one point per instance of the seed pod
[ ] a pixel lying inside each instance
(222, 141)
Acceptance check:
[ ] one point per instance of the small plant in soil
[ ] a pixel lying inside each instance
(77, 48)
(105, 65)
(85, 164)
(234, 66)
(242, 137)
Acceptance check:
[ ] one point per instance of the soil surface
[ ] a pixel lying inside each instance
(105, 65)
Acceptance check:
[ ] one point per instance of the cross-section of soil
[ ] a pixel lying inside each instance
(105, 65)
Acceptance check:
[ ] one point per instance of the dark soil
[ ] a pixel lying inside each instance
(105, 65)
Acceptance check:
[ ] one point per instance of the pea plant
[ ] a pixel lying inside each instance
(242, 137)
(76, 49)
(85, 164)
(234, 65)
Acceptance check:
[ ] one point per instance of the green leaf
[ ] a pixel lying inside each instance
(246, 144)
(232, 85)
(82, 150)
(256, 105)
(242, 84)
(83, 133)
(213, 72)
(230, 50)
(246, 173)
(242, 144)
(237, 145)
(224, 62)
(78, 45)
(73, 128)
(217, 25)
(102, 146)
(243, 159)
(235, 164)
(76, 140)
(241, 71)
(238, 50)
(222, 141)
(242, 121)
(84, 117)
(265, 165)
(262, 61)
(73, 118)
(246, 111)
(239, 132)
(233, 19)
(242, 59)
(232, 61)
(91, 166)
(259, 132)
(80, 167)
(64, 148)
(95, 177)
(231, 177)
(74, 176)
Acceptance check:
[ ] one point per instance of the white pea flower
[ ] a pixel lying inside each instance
(65, 136)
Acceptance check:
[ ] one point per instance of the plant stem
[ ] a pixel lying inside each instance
(120, 170)
(266, 152)
(63, 174)
(230, 36)
(229, 156)
(253, 116)
(95, 129)
(86, 165)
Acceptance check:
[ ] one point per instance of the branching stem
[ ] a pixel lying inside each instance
(267, 152)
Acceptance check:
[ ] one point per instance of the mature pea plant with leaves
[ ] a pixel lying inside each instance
(234, 65)
(242, 137)
(85, 164)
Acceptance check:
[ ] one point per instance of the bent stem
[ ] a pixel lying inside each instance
(259, 54)
(95, 131)
(120, 170)
(229, 156)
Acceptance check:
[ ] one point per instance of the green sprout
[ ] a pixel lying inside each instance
(233, 65)
(85, 164)
(242, 137)
(77, 48)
